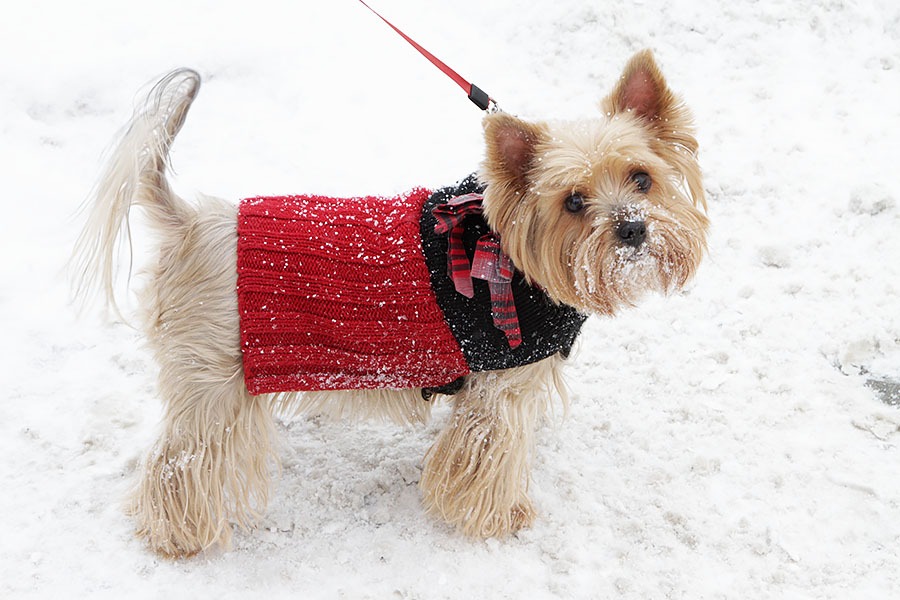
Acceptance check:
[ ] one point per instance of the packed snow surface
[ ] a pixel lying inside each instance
(734, 441)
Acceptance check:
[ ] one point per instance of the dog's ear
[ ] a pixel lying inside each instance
(510, 149)
(642, 91)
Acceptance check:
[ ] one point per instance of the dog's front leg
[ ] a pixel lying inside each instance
(477, 473)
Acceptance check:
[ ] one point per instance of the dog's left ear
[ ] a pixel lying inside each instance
(510, 151)
(642, 91)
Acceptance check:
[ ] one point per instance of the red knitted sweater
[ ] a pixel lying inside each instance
(334, 293)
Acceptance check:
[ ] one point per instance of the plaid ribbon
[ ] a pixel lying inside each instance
(488, 263)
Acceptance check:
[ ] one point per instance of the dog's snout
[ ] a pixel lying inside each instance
(632, 233)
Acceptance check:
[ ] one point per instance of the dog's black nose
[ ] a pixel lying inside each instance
(632, 233)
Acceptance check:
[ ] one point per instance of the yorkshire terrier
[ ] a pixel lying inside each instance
(379, 306)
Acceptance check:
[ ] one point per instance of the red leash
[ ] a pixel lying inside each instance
(481, 99)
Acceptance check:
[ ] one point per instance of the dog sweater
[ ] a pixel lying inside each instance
(354, 293)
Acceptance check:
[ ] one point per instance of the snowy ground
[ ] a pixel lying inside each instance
(720, 444)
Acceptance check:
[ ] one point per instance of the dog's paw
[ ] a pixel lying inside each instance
(522, 515)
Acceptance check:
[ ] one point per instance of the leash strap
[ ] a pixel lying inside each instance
(478, 96)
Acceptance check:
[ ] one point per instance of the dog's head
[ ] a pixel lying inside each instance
(598, 211)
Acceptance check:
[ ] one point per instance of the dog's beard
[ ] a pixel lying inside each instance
(609, 275)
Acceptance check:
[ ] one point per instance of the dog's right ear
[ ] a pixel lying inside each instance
(511, 145)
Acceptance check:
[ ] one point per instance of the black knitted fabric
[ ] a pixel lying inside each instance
(547, 328)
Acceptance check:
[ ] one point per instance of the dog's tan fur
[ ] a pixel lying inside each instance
(211, 465)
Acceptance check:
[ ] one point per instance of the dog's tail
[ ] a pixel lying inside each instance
(135, 174)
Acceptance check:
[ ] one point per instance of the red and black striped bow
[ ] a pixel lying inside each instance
(488, 263)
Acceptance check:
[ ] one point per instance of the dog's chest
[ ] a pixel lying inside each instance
(334, 293)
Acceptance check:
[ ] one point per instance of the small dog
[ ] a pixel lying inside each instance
(374, 306)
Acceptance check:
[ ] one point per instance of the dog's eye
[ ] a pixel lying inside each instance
(575, 203)
(642, 181)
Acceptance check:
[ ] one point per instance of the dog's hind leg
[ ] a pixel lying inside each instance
(476, 475)
(211, 465)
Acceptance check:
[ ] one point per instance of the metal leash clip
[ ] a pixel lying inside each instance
(482, 100)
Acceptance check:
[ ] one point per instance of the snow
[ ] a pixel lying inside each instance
(723, 443)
